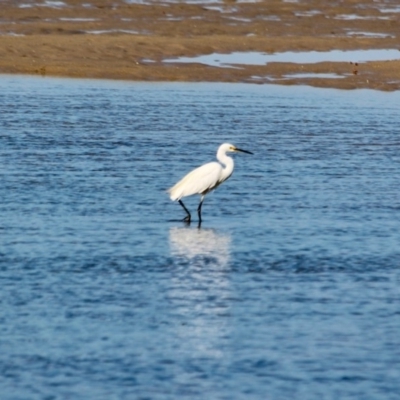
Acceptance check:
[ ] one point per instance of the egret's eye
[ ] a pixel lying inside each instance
(232, 148)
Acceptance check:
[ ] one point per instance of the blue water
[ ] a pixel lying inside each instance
(290, 289)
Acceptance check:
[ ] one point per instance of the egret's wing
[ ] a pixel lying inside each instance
(200, 180)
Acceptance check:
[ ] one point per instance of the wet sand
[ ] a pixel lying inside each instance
(132, 40)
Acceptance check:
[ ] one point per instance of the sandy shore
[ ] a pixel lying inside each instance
(133, 39)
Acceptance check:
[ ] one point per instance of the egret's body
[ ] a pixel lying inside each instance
(206, 178)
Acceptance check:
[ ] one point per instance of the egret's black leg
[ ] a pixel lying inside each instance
(199, 210)
(188, 217)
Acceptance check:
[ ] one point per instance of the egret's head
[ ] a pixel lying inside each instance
(227, 147)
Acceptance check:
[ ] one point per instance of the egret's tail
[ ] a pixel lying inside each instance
(174, 192)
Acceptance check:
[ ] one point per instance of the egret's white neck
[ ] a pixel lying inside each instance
(227, 162)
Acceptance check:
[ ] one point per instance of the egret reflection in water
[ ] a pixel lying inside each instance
(194, 245)
(204, 281)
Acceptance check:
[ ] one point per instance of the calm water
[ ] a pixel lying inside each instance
(305, 57)
(291, 288)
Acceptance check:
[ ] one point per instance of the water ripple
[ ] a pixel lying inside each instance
(289, 288)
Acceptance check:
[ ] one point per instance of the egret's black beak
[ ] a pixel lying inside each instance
(243, 151)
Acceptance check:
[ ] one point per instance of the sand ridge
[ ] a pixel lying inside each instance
(131, 40)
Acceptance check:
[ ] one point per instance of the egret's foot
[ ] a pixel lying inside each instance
(187, 219)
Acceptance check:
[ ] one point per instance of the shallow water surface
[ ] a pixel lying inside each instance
(306, 57)
(290, 289)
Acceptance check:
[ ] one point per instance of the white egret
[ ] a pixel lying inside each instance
(204, 179)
